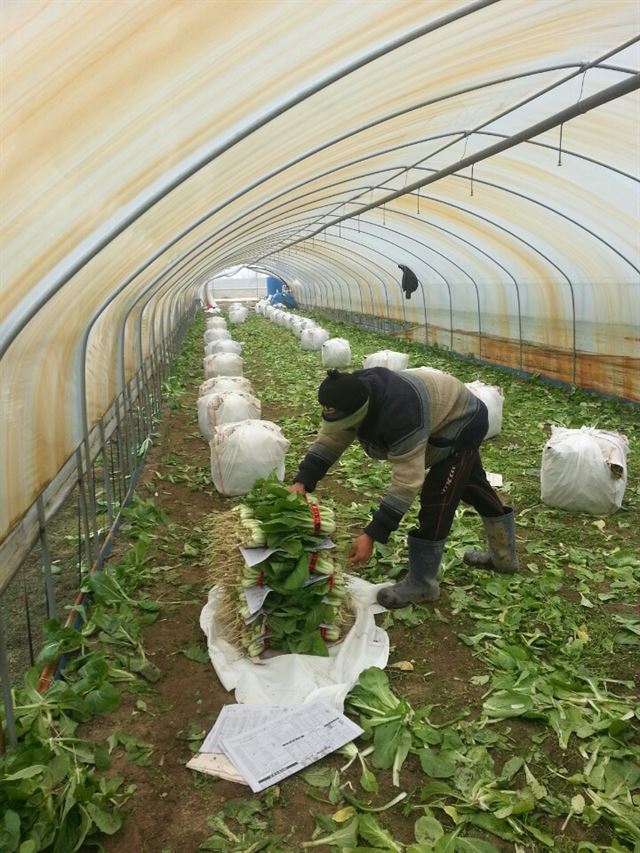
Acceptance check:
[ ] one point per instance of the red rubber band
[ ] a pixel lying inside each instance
(315, 515)
(313, 562)
(332, 580)
(260, 581)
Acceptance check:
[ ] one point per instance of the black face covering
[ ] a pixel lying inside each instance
(340, 395)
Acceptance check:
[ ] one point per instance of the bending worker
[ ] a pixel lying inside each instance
(429, 426)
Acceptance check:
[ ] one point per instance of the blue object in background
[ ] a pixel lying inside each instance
(287, 299)
(274, 285)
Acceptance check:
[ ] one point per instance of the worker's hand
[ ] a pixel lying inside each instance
(361, 550)
(299, 487)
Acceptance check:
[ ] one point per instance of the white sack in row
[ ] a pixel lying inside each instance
(237, 315)
(223, 364)
(216, 323)
(244, 452)
(313, 338)
(226, 345)
(223, 384)
(336, 352)
(491, 396)
(212, 335)
(225, 408)
(387, 358)
(584, 470)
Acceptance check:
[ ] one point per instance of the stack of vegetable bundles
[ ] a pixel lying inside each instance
(292, 600)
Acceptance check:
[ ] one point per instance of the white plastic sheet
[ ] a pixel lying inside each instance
(243, 452)
(387, 358)
(293, 679)
(491, 396)
(584, 470)
(336, 352)
(225, 408)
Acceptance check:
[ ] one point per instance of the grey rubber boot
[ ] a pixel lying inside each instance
(420, 583)
(501, 539)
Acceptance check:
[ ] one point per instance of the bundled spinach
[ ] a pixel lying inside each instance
(286, 516)
(300, 614)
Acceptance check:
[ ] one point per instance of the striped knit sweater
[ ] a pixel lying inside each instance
(414, 419)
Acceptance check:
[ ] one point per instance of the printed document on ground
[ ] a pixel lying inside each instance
(289, 743)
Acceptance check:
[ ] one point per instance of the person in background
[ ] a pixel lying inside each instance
(429, 427)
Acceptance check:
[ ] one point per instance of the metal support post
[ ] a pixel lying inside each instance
(49, 587)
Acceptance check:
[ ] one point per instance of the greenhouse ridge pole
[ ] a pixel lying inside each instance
(625, 87)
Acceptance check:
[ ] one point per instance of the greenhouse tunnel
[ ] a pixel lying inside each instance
(491, 147)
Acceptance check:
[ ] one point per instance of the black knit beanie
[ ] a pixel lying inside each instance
(342, 392)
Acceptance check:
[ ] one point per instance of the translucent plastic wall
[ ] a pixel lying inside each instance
(489, 146)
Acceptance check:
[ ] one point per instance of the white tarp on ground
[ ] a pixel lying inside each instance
(292, 679)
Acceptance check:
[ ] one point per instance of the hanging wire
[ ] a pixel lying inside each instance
(466, 142)
(418, 195)
(383, 214)
(560, 146)
(584, 76)
(472, 165)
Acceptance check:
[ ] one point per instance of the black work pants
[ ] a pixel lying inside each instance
(459, 477)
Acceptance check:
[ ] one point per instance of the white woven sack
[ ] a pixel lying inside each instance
(238, 316)
(223, 346)
(243, 452)
(584, 470)
(216, 323)
(223, 364)
(214, 335)
(218, 335)
(336, 352)
(297, 326)
(491, 396)
(225, 408)
(222, 384)
(387, 358)
(312, 339)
